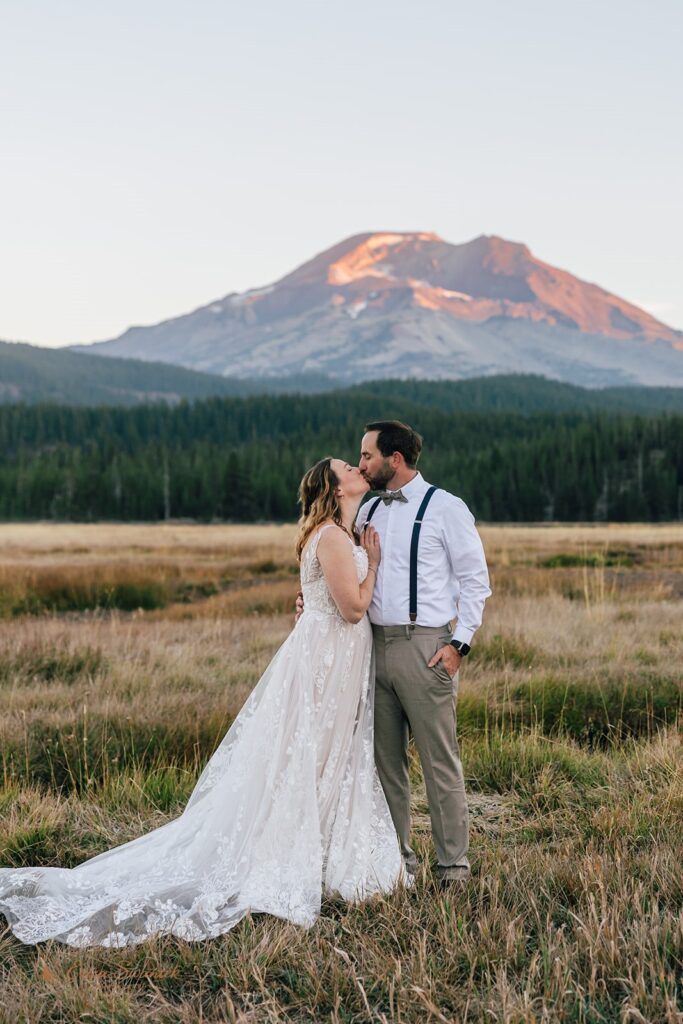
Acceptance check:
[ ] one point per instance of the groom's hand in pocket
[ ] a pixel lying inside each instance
(450, 657)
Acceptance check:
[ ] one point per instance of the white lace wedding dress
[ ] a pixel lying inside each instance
(288, 808)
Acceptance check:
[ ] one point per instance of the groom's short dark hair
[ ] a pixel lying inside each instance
(394, 436)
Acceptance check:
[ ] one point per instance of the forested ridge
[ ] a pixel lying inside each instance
(30, 374)
(241, 459)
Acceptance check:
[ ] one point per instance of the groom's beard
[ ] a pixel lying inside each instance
(379, 481)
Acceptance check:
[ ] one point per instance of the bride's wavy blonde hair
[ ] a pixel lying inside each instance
(318, 500)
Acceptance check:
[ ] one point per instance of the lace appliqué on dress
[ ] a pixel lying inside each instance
(289, 807)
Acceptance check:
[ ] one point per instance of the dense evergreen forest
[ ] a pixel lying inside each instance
(526, 394)
(241, 458)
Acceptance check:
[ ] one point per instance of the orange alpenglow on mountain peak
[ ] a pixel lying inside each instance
(366, 259)
(487, 277)
(409, 304)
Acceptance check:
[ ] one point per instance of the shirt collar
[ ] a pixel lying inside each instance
(414, 487)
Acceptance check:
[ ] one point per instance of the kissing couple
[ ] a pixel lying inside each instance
(308, 793)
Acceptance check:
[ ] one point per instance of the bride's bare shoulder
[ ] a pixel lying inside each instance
(332, 537)
(318, 535)
(330, 531)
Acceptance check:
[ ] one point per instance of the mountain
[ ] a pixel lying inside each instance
(31, 374)
(411, 305)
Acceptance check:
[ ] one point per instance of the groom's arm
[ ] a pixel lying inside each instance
(468, 562)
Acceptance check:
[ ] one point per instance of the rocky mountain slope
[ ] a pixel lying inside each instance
(411, 305)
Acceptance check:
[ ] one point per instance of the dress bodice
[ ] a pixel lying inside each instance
(317, 596)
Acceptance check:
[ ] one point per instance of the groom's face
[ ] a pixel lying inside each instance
(374, 466)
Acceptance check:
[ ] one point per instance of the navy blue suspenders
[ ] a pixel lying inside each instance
(372, 511)
(414, 543)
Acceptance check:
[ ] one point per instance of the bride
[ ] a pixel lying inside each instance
(288, 808)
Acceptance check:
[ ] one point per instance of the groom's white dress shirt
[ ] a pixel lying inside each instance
(452, 578)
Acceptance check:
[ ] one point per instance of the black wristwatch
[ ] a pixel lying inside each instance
(462, 648)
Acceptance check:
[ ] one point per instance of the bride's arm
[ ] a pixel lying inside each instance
(336, 559)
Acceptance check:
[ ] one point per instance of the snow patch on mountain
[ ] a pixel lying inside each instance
(391, 304)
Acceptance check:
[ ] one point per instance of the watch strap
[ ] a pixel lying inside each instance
(461, 647)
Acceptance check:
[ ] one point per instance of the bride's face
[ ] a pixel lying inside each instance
(351, 483)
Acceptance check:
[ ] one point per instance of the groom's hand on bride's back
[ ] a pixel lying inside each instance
(299, 604)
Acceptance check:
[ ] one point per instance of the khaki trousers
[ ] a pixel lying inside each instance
(412, 698)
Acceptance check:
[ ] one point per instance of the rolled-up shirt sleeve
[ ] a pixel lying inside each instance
(466, 555)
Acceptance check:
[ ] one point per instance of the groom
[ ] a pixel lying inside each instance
(432, 571)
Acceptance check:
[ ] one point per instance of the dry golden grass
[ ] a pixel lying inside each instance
(61, 568)
(570, 718)
(92, 541)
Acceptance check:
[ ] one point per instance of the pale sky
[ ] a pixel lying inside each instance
(158, 155)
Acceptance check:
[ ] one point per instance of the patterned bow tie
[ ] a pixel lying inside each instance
(390, 496)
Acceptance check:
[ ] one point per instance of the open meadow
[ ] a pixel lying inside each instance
(127, 650)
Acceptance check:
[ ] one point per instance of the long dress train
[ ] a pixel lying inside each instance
(288, 808)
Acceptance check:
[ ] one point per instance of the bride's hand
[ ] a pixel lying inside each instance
(370, 541)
